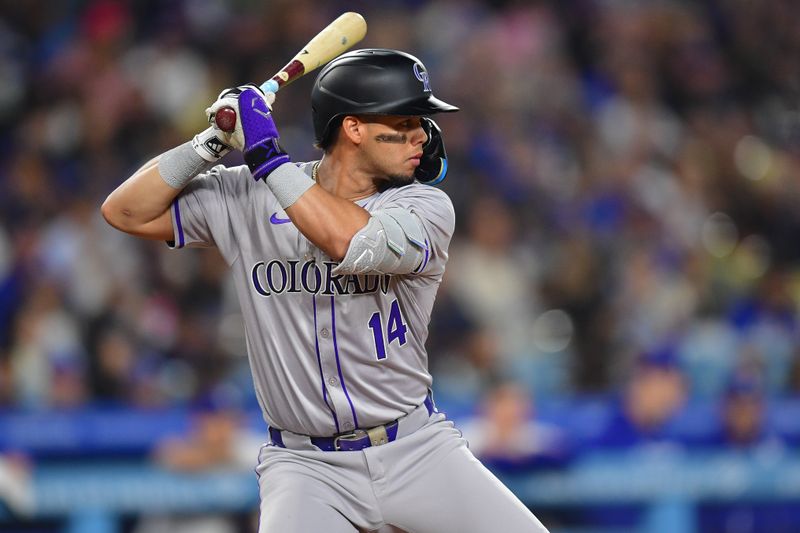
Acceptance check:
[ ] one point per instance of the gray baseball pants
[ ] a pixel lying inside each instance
(426, 481)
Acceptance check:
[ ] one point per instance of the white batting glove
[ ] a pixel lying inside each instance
(230, 98)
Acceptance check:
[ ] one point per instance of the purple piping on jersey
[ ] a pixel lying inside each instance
(181, 239)
(319, 362)
(338, 364)
(427, 256)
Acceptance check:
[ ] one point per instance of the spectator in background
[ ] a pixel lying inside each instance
(219, 437)
(47, 358)
(743, 414)
(742, 422)
(743, 427)
(767, 326)
(16, 489)
(492, 277)
(6, 382)
(651, 400)
(506, 434)
(466, 367)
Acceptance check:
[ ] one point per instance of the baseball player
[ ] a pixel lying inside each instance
(336, 263)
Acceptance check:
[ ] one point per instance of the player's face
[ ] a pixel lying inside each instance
(394, 146)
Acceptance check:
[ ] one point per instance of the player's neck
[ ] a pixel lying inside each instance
(341, 179)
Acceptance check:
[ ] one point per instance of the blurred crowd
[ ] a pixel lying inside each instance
(625, 177)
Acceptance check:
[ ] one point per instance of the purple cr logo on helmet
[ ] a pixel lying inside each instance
(422, 76)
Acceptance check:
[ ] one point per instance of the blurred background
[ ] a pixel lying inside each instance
(617, 334)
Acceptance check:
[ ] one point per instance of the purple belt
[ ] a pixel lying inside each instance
(355, 440)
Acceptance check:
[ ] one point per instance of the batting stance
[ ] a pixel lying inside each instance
(336, 263)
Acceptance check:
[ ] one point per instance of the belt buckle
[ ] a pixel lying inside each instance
(377, 436)
(353, 435)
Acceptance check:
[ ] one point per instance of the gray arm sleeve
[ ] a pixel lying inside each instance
(392, 242)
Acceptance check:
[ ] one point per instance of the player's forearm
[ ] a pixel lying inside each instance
(140, 206)
(139, 201)
(328, 221)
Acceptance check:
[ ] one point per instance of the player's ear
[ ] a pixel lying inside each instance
(353, 129)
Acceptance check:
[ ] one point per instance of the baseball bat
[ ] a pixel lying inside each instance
(348, 29)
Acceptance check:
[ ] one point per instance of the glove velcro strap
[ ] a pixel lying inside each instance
(265, 157)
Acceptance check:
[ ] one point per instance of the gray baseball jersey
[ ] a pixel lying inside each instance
(329, 353)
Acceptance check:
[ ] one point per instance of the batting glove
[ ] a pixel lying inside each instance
(262, 153)
(230, 98)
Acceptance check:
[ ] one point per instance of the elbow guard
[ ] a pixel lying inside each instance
(392, 242)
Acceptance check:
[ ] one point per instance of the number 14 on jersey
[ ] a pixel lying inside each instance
(395, 329)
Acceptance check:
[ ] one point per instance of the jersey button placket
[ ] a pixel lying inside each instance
(330, 368)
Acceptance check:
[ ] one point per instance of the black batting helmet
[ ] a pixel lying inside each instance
(372, 81)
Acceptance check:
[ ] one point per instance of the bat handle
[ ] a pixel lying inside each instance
(225, 117)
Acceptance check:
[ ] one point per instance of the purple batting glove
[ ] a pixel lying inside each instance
(262, 153)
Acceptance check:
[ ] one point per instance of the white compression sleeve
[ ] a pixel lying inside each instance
(288, 183)
(181, 164)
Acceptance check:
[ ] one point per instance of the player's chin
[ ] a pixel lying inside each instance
(399, 180)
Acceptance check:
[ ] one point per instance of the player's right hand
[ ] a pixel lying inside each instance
(230, 98)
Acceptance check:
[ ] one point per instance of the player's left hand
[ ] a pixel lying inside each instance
(230, 98)
(262, 153)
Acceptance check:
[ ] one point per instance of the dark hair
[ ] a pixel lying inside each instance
(327, 142)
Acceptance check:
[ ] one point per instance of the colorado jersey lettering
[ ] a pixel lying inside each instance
(277, 277)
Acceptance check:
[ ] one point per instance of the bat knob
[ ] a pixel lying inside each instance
(270, 86)
(225, 118)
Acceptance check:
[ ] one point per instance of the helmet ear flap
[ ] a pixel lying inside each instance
(432, 167)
